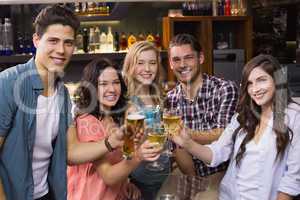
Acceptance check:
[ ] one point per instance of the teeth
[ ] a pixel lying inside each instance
(58, 61)
(111, 98)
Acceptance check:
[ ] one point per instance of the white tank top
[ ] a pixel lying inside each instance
(47, 122)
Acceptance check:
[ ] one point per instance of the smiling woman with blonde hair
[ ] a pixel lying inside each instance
(131, 62)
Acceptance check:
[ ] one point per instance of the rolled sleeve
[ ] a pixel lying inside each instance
(290, 182)
(228, 102)
(7, 106)
(223, 147)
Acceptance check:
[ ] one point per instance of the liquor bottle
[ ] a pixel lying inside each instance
(1, 39)
(116, 42)
(92, 40)
(123, 41)
(97, 40)
(221, 7)
(85, 40)
(157, 41)
(79, 42)
(227, 8)
(110, 40)
(103, 42)
(150, 37)
(7, 37)
(214, 7)
(131, 40)
(141, 37)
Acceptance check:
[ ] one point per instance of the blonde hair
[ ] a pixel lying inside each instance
(128, 70)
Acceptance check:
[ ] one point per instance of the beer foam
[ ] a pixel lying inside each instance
(135, 116)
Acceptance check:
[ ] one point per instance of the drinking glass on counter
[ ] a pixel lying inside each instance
(156, 134)
(134, 124)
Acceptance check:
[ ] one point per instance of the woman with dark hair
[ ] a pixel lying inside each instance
(101, 105)
(262, 141)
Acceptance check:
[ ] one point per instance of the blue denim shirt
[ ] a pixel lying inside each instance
(20, 87)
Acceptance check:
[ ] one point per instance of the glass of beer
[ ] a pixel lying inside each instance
(134, 124)
(172, 120)
(156, 135)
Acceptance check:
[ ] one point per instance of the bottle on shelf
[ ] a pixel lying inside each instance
(131, 40)
(110, 40)
(227, 8)
(214, 7)
(116, 42)
(85, 40)
(1, 39)
(97, 40)
(123, 41)
(234, 7)
(141, 37)
(150, 37)
(242, 7)
(157, 41)
(92, 41)
(221, 7)
(79, 42)
(103, 42)
(7, 37)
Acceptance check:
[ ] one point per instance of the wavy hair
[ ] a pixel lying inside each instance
(86, 93)
(250, 113)
(129, 68)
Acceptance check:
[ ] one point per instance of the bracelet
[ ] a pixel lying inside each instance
(108, 145)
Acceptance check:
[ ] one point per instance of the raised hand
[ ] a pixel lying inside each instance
(183, 138)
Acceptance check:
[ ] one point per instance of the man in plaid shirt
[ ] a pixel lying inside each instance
(207, 102)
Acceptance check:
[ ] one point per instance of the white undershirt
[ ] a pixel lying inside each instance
(249, 178)
(47, 121)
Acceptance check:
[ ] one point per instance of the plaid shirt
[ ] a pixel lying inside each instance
(212, 108)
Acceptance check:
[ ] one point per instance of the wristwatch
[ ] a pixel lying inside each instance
(108, 145)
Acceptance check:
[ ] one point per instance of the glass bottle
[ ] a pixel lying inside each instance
(227, 8)
(123, 41)
(116, 42)
(103, 42)
(131, 40)
(150, 37)
(110, 40)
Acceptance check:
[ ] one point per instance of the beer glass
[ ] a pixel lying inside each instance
(156, 135)
(171, 120)
(134, 124)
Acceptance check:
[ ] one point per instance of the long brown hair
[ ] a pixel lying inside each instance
(249, 112)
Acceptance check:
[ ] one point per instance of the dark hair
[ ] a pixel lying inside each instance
(250, 113)
(184, 38)
(86, 93)
(55, 14)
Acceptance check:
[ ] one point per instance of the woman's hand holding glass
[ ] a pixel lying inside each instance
(149, 151)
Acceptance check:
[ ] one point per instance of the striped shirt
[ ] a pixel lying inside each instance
(213, 107)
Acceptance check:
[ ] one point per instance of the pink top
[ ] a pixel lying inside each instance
(83, 180)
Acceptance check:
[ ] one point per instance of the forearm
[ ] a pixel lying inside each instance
(82, 152)
(113, 174)
(283, 196)
(206, 137)
(200, 151)
(184, 161)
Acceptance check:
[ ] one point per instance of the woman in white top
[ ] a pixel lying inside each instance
(262, 141)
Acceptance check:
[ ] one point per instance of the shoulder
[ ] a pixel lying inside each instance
(174, 92)
(221, 84)
(293, 112)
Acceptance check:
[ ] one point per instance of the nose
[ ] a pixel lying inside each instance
(60, 48)
(147, 67)
(111, 87)
(255, 88)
